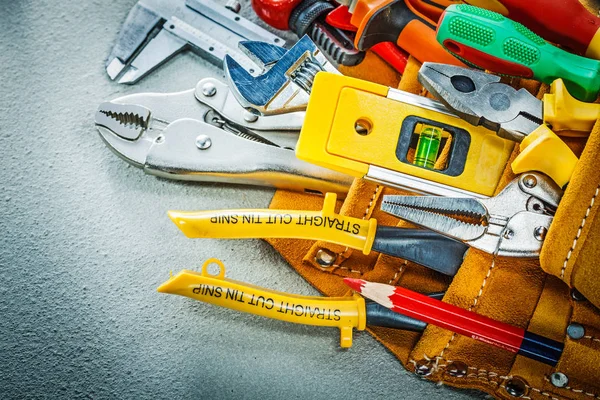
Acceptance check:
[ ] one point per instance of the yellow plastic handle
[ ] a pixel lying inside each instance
(342, 312)
(567, 115)
(545, 152)
(316, 225)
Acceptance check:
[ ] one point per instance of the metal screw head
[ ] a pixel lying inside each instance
(209, 89)
(203, 142)
(575, 331)
(422, 368)
(508, 234)
(530, 181)
(559, 379)
(249, 117)
(325, 258)
(577, 296)
(540, 233)
(457, 369)
(516, 387)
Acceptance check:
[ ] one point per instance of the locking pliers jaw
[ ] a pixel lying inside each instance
(203, 134)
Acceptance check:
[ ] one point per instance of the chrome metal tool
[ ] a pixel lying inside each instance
(514, 223)
(156, 30)
(285, 84)
(203, 134)
(481, 99)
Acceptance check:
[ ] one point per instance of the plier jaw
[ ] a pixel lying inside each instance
(512, 224)
(481, 99)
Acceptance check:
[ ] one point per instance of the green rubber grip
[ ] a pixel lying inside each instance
(490, 41)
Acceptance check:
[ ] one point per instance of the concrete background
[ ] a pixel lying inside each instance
(85, 241)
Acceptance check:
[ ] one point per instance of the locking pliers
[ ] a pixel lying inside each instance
(203, 134)
(514, 223)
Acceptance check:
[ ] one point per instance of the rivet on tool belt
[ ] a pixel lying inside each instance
(559, 379)
(422, 368)
(516, 387)
(325, 258)
(577, 296)
(575, 331)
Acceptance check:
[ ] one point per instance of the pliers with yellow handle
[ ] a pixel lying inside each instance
(481, 99)
(420, 246)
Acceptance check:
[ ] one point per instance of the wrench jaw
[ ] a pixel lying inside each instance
(285, 84)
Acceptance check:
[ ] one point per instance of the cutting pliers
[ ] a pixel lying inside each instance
(481, 99)
(203, 134)
(513, 223)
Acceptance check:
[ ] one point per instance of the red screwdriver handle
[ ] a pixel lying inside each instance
(565, 22)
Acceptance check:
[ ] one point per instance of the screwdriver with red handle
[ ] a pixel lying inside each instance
(461, 321)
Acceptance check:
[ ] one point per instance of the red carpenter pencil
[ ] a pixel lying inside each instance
(461, 321)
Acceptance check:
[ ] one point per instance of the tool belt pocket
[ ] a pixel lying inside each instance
(572, 245)
(511, 290)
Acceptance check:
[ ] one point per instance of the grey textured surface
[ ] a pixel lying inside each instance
(85, 241)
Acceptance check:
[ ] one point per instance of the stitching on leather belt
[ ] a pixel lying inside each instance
(481, 375)
(572, 249)
(593, 339)
(371, 201)
(489, 273)
(579, 391)
(341, 254)
(399, 271)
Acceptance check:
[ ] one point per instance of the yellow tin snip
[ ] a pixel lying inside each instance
(372, 131)
(344, 313)
(315, 225)
(416, 245)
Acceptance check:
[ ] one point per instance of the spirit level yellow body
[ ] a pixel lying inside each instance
(345, 313)
(367, 130)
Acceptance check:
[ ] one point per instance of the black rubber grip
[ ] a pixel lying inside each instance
(336, 44)
(421, 246)
(303, 16)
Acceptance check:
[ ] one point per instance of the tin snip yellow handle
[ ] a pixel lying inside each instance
(344, 313)
(243, 224)
(421, 246)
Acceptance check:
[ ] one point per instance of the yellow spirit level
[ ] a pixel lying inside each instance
(372, 131)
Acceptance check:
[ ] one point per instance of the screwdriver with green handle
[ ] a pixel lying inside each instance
(488, 40)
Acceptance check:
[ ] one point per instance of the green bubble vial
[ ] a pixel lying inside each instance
(428, 146)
